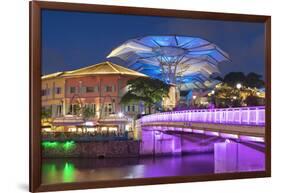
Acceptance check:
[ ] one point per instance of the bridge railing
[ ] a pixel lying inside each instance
(239, 115)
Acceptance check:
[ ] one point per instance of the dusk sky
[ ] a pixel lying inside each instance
(72, 40)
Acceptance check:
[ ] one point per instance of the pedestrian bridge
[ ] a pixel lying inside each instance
(245, 123)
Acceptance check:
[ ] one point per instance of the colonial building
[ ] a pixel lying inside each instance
(100, 87)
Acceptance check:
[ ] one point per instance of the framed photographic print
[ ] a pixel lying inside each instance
(123, 96)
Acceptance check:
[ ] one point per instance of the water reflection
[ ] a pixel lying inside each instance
(78, 170)
(227, 157)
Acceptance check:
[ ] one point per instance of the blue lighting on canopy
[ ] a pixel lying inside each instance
(173, 59)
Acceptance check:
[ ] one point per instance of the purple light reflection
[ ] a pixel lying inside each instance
(212, 133)
(187, 130)
(251, 138)
(229, 136)
(198, 131)
(230, 156)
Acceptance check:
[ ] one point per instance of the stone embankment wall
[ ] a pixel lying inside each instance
(95, 149)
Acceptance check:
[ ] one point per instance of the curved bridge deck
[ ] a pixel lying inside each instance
(243, 122)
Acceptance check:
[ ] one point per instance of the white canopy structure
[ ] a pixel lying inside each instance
(173, 59)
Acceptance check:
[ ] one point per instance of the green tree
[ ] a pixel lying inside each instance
(46, 112)
(252, 100)
(87, 112)
(227, 96)
(150, 91)
(232, 78)
(254, 80)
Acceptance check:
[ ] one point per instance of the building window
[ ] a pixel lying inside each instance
(109, 108)
(109, 88)
(72, 89)
(90, 89)
(73, 109)
(59, 110)
(70, 109)
(45, 92)
(133, 108)
(128, 108)
(58, 90)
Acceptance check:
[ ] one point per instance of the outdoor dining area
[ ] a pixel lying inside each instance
(73, 127)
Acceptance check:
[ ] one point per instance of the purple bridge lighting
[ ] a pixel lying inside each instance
(239, 116)
(244, 123)
(235, 136)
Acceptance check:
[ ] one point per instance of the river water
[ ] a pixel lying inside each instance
(82, 169)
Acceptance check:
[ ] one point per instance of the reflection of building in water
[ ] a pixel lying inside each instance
(97, 88)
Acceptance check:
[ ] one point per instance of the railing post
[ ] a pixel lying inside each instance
(240, 116)
(215, 116)
(248, 114)
(226, 116)
(257, 116)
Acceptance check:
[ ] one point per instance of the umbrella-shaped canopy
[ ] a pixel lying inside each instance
(171, 58)
(197, 81)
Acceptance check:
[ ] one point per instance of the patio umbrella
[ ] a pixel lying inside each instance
(171, 58)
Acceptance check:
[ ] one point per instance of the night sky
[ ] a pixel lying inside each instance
(71, 40)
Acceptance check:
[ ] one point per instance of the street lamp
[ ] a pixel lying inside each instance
(238, 85)
(193, 101)
(212, 92)
(120, 114)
